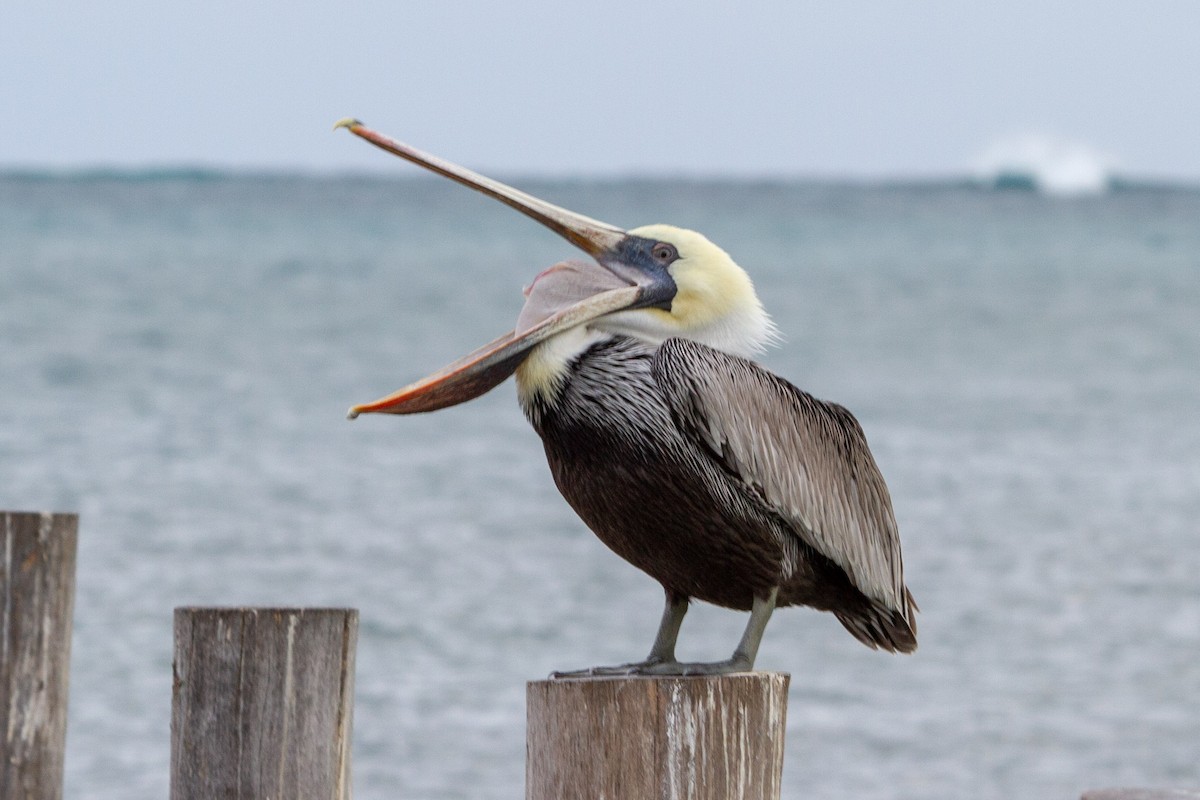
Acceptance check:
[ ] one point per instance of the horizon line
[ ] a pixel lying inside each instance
(196, 171)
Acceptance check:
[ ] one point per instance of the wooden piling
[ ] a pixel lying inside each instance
(37, 561)
(631, 738)
(1142, 794)
(37, 594)
(262, 701)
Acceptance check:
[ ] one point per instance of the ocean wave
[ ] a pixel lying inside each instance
(1046, 164)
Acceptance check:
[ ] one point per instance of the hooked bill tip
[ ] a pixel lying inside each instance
(347, 122)
(352, 414)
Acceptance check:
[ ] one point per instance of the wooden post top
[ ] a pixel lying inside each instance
(670, 737)
(1142, 794)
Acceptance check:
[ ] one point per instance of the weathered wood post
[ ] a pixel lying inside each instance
(37, 594)
(262, 702)
(1141, 794)
(701, 738)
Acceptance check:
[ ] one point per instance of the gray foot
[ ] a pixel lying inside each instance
(636, 668)
(729, 665)
(658, 667)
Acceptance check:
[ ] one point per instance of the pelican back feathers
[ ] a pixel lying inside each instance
(806, 458)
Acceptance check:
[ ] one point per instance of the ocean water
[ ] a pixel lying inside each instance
(177, 352)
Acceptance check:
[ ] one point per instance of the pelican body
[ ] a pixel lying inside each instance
(722, 481)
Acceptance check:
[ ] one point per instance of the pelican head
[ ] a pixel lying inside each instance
(714, 301)
(652, 282)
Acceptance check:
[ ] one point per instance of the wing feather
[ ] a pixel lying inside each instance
(806, 458)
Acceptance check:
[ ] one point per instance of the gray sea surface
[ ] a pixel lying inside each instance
(177, 353)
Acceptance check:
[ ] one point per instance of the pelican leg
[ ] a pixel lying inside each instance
(743, 656)
(661, 660)
(663, 649)
(662, 652)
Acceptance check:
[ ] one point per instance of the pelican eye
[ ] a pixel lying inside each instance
(664, 253)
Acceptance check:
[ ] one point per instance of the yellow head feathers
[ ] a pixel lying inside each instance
(715, 302)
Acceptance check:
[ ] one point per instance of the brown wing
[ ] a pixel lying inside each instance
(807, 458)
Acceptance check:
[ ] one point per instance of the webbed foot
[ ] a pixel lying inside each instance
(661, 667)
(726, 667)
(634, 668)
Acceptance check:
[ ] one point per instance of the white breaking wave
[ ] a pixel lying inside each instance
(1049, 164)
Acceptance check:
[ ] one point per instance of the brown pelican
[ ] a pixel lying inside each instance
(722, 481)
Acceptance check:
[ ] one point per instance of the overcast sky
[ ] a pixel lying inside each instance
(837, 88)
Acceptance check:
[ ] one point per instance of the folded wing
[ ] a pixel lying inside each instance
(806, 458)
